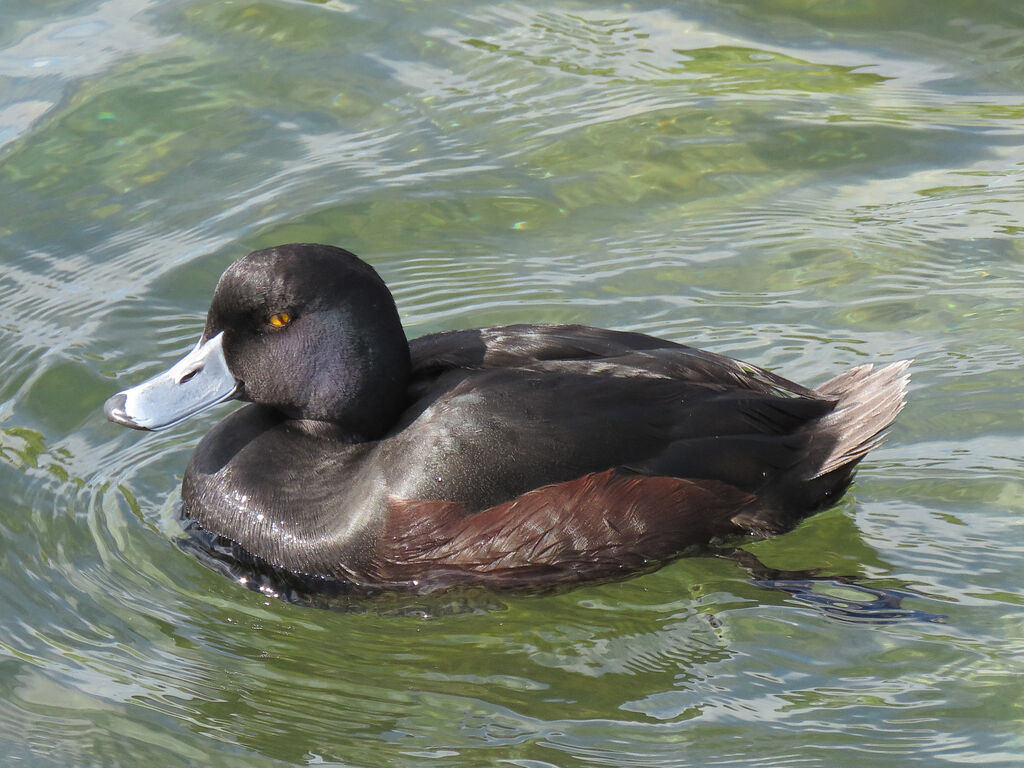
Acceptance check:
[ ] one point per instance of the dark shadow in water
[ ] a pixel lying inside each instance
(838, 597)
(878, 606)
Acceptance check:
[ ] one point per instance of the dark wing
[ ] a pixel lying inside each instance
(483, 437)
(596, 399)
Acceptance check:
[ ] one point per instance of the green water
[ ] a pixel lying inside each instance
(807, 185)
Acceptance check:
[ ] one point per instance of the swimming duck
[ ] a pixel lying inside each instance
(511, 456)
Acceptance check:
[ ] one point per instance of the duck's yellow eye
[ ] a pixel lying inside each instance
(280, 320)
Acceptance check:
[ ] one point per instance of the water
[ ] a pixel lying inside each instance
(804, 185)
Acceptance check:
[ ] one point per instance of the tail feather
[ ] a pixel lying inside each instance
(868, 401)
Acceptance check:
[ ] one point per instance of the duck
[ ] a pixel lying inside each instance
(512, 457)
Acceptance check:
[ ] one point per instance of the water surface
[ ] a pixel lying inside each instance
(806, 186)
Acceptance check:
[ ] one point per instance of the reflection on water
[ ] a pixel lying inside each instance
(807, 186)
(851, 602)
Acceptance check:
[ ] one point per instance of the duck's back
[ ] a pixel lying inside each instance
(518, 407)
(582, 349)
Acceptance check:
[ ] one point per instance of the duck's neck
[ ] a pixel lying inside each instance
(360, 394)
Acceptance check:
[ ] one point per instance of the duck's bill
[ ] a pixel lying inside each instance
(199, 380)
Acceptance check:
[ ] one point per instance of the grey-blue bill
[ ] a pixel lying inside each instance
(198, 381)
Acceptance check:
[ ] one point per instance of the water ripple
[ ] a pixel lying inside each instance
(807, 188)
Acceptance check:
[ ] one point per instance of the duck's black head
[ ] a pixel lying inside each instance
(309, 330)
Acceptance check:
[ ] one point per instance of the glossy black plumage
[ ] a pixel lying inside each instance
(513, 456)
